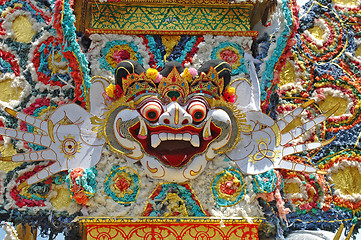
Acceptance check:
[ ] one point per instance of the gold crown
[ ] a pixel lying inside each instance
(173, 86)
(209, 83)
(135, 85)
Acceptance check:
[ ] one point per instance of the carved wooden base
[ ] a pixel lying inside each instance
(168, 228)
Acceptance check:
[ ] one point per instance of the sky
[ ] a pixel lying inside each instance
(3, 233)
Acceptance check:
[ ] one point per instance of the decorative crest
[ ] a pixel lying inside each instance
(208, 83)
(135, 85)
(173, 86)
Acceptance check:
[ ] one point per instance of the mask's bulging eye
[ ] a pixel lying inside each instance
(151, 111)
(197, 110)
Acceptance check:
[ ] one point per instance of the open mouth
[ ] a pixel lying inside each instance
(174, 147)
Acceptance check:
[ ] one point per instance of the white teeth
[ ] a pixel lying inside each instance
(155, 140)
(178, 136)
(195, 141)
(171, 136)
(187, 137)
(163, 136)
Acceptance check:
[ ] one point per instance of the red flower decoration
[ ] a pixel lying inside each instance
(122, 184)
(229, 187)
(229, 56)
(229, 97)
(118, 91)
(121, 55)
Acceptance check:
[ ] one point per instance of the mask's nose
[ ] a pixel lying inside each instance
(175, 116)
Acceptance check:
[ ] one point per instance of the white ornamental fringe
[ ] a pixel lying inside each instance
(9, 19)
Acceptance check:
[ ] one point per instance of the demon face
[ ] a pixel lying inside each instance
(174, 126)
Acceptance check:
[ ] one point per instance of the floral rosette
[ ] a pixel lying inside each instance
(116, 51)
(306, 192)
(228, 188)
(343, 171)
(323, 38)
(106, 51)
(229, 49)
(231, 53)
(21, 20)
(122, 184)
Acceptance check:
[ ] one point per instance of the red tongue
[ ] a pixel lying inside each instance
(175, 159)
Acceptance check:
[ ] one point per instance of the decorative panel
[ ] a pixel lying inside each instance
(166, 19)
(169, 228)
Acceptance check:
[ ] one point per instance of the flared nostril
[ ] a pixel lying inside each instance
(185, 122)
(166, 121)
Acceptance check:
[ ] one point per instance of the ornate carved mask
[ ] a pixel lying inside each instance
(174, 126)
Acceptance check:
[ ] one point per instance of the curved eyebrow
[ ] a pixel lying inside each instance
(145, 96)
(145, 99)
(199, 98)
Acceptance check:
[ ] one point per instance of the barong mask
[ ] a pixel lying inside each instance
(174, 126)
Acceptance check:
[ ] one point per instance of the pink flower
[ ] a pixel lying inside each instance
(193, 72)
(158, 78)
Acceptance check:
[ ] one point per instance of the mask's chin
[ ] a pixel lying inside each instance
(175, 147)
(157, 170)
